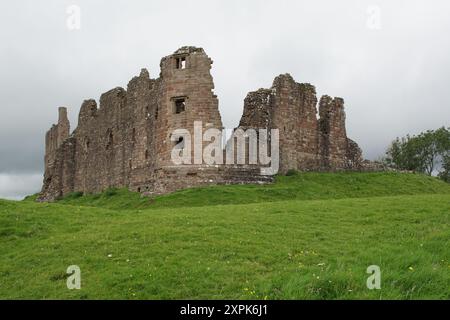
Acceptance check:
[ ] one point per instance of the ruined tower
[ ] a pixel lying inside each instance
(307, 143)
(187, 96)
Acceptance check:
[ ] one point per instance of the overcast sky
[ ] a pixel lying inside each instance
(389, 60)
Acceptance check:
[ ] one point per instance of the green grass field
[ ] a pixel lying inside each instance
(308, 236)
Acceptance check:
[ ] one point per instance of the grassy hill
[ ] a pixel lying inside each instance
(306, 236)
(300, 186)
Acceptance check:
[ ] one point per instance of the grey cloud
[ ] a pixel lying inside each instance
(16, 186)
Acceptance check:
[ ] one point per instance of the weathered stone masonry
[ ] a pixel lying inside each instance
(125, 141)
(306, 143)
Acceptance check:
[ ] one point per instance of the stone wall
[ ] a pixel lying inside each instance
(126, 140)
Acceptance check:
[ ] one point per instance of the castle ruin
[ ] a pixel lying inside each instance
(125, 142)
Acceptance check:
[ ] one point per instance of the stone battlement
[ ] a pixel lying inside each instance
(125, 141)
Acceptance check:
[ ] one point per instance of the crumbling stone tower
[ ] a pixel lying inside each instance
(56, 136)
(187, 96)
(306, 142)
(126, 140)
(332, 135)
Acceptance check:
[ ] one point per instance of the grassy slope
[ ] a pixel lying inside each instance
(181, 246)
(306, 186)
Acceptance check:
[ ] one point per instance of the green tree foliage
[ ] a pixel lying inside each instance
(445, 173)
(425, 153)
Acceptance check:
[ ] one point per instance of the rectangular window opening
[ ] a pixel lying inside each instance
(180, 105)
(181, 63)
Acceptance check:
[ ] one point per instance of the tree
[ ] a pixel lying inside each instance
(445, 173)
(427, 152)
